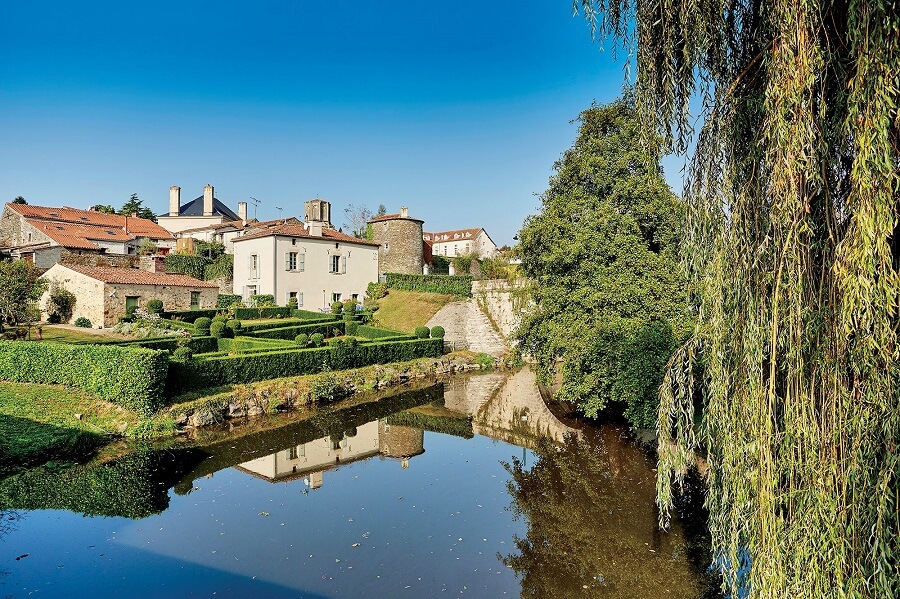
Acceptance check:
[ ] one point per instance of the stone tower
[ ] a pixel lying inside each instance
(400, 442)
(318, 211)
(401, 242)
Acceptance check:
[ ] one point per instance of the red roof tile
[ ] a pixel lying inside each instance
(137, 276)
(378, 219)
(137, 227)
(300, 230)
(445, 236)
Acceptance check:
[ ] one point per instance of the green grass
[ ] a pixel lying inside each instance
(38, 424)
(406, 310)
(62, 335)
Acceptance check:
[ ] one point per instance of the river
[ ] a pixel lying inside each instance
(470, 487)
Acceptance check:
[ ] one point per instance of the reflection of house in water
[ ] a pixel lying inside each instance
(313, 458)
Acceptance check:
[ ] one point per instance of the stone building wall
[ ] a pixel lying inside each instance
(400, 441)
(173, 298)
(401, 245)
(96, 258)
(88, 293)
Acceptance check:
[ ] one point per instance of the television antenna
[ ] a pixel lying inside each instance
(279, 209)
(256, 204)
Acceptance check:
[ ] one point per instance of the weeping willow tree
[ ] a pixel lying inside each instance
(793, 237)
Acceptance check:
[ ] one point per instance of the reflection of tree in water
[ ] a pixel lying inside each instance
(592, 525)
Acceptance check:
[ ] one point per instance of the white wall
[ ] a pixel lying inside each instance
(315, 281)
(89, 293)
(176, 224)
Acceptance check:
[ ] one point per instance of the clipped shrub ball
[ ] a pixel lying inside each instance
(217, 329)
(154, 306)
(422, 332)
(437, 332)
(220, 318)
(202, 325)
(292, 303)
(302, 339)
(317, 339)
(182, 354)
(351, 328)
(235, 325)
(336, 307)
(83, 322)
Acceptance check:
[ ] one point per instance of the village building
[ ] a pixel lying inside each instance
(460, 242)
(201, 212)
(45, 236)
(104, 294)
(310, 261)
(400, 237)
(224, 233)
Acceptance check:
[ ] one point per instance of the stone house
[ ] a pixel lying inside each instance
(103, 294)
(400, 237)
(201, 212)
(460, 242)
(309, 261)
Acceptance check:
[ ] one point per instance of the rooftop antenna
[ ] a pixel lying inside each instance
(256, 204)
(279, 209)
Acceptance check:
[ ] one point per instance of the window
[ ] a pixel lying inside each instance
(292, 453)
(253, 266)
(250, 290)
(299, 299)
(290, 261)
(131, 303)
(294, 294)
(195, 300)
(355, 297)
(335, 264)
(293, 241)
(335, 297)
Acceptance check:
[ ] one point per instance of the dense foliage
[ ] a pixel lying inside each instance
(328, 329)
(261, 312)
(61, 305)
(20, 289)
(186, 264)
(227, 300)
(603, 257)
(129, 376)
(456, 285)
(794, 244)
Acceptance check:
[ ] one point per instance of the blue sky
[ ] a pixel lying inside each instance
(457, 111)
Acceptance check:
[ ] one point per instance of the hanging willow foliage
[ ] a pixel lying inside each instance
(793, 236)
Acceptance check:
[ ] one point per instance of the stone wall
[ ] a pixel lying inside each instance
(173, 298)
(401, 245)
(95, 258)
(88, 293)
(400, 441)
(504, 302)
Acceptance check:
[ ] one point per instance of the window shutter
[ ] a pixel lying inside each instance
(299, 299)
(344, 265)
(301, 262)
(249, 267)
(287, 261)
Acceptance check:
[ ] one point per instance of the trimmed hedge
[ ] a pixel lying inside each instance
(280, 324)
(132, 377)
(375, 333)
(290, 332)
(226, 300)
(446, 284)
(243, 344)
(199, 345)
(247, 368)
(309, 315)
(252, 313)
(189, 315)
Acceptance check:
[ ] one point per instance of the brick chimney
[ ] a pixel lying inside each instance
(174, 200)
(242, 211)
(208, 200)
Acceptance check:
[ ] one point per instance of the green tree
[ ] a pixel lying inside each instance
(20, 290)
(104, 208)
(603, 256)
(793, 240)
(19, 200)
(136, 206)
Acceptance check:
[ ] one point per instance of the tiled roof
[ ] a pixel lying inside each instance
(195, 208)
(300, 230)
(239, 225)
(446, 236)
(378, 219)
(137, 227)
(137, 276)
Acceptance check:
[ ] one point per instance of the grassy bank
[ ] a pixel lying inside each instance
(405, 310)
(39, 423)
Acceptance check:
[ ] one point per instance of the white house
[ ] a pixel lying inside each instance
(313, 262)
(204, 211)
(461, 242)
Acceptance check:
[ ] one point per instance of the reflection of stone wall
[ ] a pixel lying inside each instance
(400, 441)
(401, 245)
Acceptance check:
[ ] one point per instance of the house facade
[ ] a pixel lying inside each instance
(460, 242)
(225, 233)
(201, 212)
(310, 261)
(103, 294)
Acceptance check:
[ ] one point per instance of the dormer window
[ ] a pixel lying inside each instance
(110, 233)
(54, 215)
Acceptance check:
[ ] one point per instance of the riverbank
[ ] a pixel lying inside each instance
(49, 423)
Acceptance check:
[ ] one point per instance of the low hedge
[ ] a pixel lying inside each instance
(199, 345)
(242, 344)
(189, 315)
(289, 332)
(309, 315)
(132, 377)
(375, 333)
(252, 313)
(250, 367)
(226, 300)
(177, 324)
(446, 284)
(280, 324)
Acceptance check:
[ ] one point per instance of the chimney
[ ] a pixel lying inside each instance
(174, 200)
(242, 211)
(404, 213)
(208, 200)
(315, 228)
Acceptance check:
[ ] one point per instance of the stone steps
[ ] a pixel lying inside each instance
(465, 322)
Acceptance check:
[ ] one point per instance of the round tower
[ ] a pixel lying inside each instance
(401, 242)
(401, 442)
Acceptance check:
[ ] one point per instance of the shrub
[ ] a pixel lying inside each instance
(221, 267)
(227, 300)
(217, 329)
(262, 300)
(351, 328)
(183, 354)
(376, 291)
(349, 308)
(451, 285)
(317, 339)
(375, 333)
(336, 307)
(130, 310)
(235, 326)
(193, 266)
(269, 312)
(62, 303)
(302, 339)
(189, 315)
(292, 303)
(132, 377)
(310, 315)
(201, 325)
(437, 332)
(422, 332)
(289, 331)
(83, 322)
(154, 306)
(220, 318)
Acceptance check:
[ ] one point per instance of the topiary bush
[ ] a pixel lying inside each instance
(202, 325)
(336, 307)
(302, 339)
(317, 339)
(183, 354)
(154, 306)
(217, 329)
(220, 318)
(422, 332)
(351, 328)
(83, 322)
(235, 326)
(292, 303)
(437, 332)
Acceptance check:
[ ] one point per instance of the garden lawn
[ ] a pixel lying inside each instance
(38, 424)
(405, 310)
(70, 335)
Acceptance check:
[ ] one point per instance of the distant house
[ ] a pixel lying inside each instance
(203, 211)
(461, 242)
(103, 294)
(225, 233)
(309, 261)
(45, 236)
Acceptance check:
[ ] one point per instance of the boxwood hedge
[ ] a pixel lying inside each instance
(132, 377)
(199, 345)
(375, 333)
(271, 312)
(290, 332)
(189, 315)
(309, 315)
(451, 285)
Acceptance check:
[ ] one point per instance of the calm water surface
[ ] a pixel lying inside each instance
(471, 488)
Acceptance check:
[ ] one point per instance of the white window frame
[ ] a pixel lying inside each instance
(253, 267)
(290, 261)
